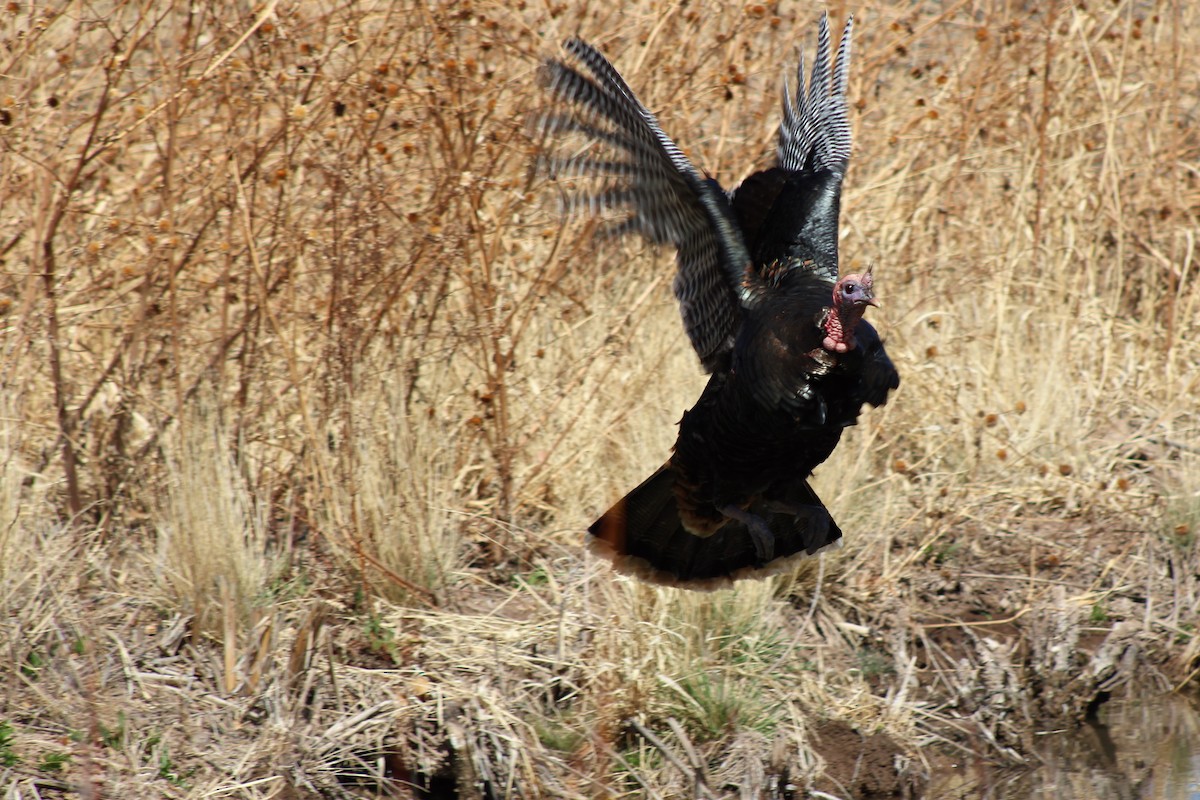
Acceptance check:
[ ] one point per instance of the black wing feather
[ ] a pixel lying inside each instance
(790, 213)
(670, 200)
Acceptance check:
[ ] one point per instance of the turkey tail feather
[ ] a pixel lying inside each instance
(644, 536)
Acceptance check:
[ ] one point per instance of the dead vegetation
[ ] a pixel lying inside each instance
(307, 394)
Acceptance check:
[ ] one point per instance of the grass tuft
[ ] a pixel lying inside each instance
(307, 393)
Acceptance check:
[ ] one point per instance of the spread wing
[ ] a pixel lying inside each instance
(789, 213)
(815, 132)
(643, 171)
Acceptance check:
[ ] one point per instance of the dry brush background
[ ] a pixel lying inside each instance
(307, 394)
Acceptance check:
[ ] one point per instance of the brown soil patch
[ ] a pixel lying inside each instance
(860, 765)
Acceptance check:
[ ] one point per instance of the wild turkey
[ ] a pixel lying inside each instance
(791, 359)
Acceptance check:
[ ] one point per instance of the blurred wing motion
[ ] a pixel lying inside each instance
(672, 203)
(781, 332)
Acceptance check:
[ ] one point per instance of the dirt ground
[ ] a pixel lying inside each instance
(308, 391)
(858, 765)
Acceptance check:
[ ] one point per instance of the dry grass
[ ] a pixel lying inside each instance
(307, 393)
(211, 534)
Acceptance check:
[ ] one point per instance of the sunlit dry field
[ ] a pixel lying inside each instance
(308, 393)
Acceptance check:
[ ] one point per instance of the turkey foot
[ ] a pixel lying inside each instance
(798, 510)
(760, 533)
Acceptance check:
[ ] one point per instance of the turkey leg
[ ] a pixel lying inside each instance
(760, 532)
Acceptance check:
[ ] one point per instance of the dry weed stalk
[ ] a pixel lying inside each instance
(290, 263)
